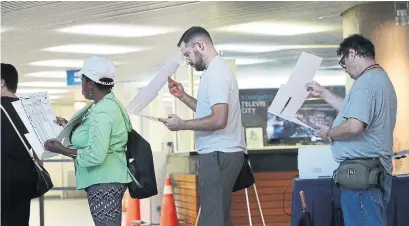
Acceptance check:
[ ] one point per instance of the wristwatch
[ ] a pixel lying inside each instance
(328, 137)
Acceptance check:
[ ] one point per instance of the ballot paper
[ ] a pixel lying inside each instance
(291, 96)
(37, 115)
(140, 101)
(149, 117)
(49, 114)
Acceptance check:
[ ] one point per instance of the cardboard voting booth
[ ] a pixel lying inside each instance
(293, 94)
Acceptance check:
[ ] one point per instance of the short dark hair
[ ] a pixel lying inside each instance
(100, 86)
(192, 33)
(359, 43)
(10, 76)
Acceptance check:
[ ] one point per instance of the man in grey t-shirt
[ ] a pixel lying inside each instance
(363, 128)
(218, 128)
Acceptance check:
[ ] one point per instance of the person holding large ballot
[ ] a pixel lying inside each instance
(217, 125)
(96, 139)
(18, 177)
(362, 134)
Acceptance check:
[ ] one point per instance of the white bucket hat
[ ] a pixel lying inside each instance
(96, 68)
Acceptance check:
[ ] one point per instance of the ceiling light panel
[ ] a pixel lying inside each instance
(64, 63)
(246, 48)
(249, 61)
(42, 84)
(48, 74)
(117, 30)
(96, 49)
(331, 67)
(254, 48)
(277, 29)
(55, 97)
(59, 63)
(49, 91)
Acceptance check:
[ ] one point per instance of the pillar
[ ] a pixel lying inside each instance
(376, 21)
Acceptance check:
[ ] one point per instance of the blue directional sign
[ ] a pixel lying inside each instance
(73, 79)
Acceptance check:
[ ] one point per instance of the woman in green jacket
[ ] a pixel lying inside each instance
(98, 143)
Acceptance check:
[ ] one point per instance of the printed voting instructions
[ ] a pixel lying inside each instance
(291, 96)
(140, 101)
(38, 116)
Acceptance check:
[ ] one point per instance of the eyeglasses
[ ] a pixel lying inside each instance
(342, 61)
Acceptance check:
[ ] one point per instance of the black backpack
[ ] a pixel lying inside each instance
(139, 161)
(141, 168)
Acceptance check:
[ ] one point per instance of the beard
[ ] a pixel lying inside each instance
(199, 64)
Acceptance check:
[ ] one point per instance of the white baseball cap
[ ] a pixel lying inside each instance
(96, 68)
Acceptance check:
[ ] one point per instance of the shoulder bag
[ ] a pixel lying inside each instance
(245, 178)
(44, 183)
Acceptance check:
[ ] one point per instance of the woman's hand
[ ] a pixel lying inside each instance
(61, 121)
(54, 146)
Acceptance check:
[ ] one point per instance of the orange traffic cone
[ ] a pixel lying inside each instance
(168, 215)
(133, 212)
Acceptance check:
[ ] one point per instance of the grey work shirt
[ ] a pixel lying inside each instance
(372, 100)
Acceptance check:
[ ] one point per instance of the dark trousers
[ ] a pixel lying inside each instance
(16, 192)
(218, 172)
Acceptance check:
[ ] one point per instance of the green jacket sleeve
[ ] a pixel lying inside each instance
(98, 141)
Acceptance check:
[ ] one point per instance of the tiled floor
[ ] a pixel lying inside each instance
(62, 212)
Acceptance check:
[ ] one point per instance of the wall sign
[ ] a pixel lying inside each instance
(73, 79)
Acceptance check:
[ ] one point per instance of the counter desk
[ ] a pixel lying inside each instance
(274, 171)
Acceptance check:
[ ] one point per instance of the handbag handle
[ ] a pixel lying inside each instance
(21, 138)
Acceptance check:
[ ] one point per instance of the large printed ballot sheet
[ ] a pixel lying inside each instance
(140, 101)
(38, 117)
(291, 96)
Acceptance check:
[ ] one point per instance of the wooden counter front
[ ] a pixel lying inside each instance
(271, 188)
(186, 195)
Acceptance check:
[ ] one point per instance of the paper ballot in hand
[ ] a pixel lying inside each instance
(291, 96)
(140, 101)
(149, 117)
(34, 110)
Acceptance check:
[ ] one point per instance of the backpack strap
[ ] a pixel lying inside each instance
(130, 129)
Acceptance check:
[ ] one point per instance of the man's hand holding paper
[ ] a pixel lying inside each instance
(322, 132)
(316, 90)
(173, 122)
(149, 117)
